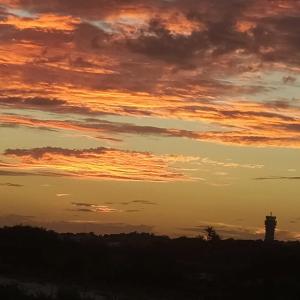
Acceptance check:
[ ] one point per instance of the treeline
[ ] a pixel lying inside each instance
(14, 292)
(145, 266)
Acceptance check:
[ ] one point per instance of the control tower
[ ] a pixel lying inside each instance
(270, 226)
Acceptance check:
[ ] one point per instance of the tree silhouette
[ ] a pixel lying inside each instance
(144, 266)
(211, 234)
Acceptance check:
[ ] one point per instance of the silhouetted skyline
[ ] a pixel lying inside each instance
(44, 265)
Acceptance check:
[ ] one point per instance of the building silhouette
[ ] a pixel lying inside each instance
(270, 226)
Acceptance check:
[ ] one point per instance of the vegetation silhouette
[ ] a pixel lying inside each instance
(14, 292)
(146, 266)
(211, 234)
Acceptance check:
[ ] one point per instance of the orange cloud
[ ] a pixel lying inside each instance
(168, 60)
(45, 22)
(100, 163)
(100, 132)
(242, 123)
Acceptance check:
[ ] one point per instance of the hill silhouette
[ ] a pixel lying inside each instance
(144, 266)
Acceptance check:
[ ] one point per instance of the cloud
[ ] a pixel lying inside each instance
(76, 8)
(289, 79)
(144, 202)
(221, 173)
(100, 129)
(187, 60)
(44, 104)
(13, 173)
(89, 207)
(125, 202)
(62, 195)
(9, 184)
(82, 204)
(132, 210)
(229, 164)
(278, 178)
(99, 163)
(283, 131)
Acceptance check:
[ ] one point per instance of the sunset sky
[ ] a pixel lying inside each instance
(158, 115)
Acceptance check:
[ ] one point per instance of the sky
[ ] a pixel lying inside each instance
(157, 116)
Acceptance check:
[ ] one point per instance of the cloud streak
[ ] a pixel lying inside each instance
(278, 178)
(282, 131)
(93, 208)
(9, 184)
(99, 163)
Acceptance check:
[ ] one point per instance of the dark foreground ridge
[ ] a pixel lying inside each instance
(40, 264)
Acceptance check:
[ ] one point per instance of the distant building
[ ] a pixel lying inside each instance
(270, 226)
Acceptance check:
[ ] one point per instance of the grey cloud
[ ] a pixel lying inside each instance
(289, 79)
(132, 210)
(87, 210)
(38, 153)
(278, 178)
(13, 173)
(82, 204)
(144, 202)
(9, 184)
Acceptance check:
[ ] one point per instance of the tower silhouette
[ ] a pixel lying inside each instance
(270, 226)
